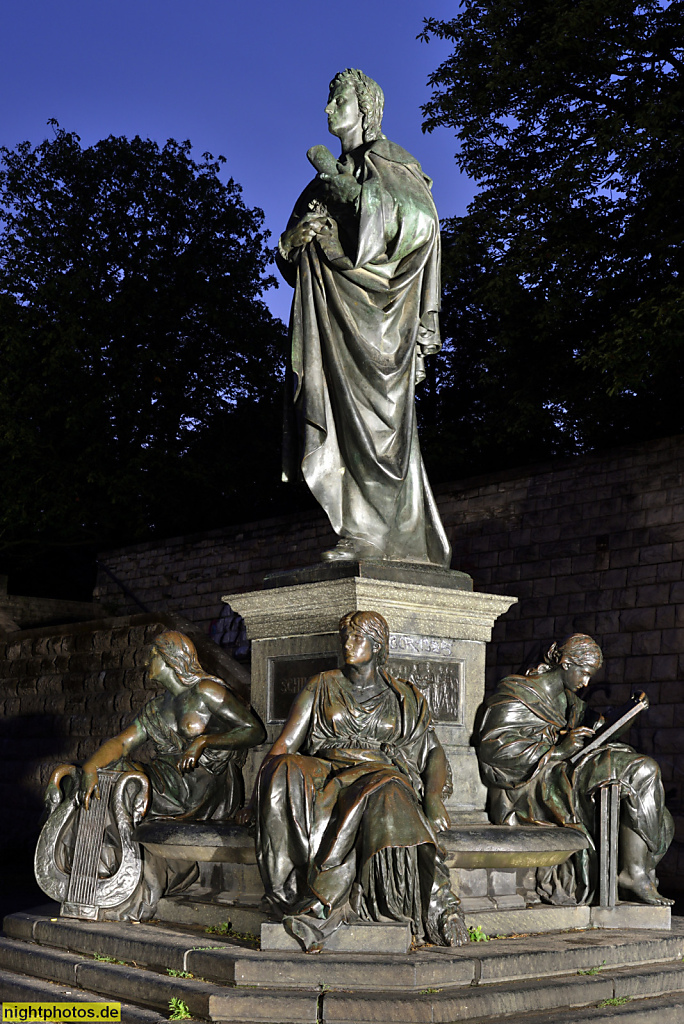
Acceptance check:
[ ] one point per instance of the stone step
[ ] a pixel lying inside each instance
(359, 937)
(481, 981)
(256, 1006)
(147, 989)
(20, 988)
(484, 1003)
(118, 982)
(542, 918)
(248, 917)
(668, 1009)
(244, 917)
(482, 963)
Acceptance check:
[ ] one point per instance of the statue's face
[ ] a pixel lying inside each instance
(155, 665)
(343, 109)
(358, 649)
(576, 677)
(159, 671)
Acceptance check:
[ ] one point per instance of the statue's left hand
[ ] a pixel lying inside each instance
(436, 812)
(89, 788)
(192, 754)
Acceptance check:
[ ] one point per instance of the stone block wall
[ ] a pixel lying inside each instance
(28, 612)
(63, 691)
(188, 575)
(590, 544)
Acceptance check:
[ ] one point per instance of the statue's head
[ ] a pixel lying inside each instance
(370, 98)
(580, 650)
(578, 656)
(178, 652)
(371, 625)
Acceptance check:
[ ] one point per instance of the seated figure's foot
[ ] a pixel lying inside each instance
(311, 931)
(455, 930)
(643, 889)
(344, 551)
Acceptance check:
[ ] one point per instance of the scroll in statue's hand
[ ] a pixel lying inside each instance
(436, 812)
(192, 754)
(341, 188)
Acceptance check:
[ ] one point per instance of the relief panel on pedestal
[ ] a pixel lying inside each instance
(426, 661)
(429, 663)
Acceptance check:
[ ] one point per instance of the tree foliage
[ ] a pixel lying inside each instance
(564, 297)
(139, 366)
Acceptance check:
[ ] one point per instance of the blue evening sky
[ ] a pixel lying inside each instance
(247, 79)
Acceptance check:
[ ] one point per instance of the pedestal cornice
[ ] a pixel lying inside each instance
(318, 608)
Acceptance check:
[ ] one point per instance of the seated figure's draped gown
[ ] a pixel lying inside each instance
(520, 727)
(364, 314)
(342, 822)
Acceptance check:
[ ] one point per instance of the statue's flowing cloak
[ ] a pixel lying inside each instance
(360, 325)
(521, 726)
(353, 795)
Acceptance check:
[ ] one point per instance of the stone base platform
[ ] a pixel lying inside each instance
(540, 919)
(349, 938)
(365, 938)
(439, 629)
(571, 977)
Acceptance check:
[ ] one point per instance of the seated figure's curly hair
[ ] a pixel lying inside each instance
(371, 100)
(179, 653)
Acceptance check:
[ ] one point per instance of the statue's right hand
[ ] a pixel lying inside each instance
(573, 741)
(245, 815)
(89, 788)
(301, 234)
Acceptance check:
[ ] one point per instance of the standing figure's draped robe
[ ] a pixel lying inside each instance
(365, 311)
(342, 822)
(520, 728)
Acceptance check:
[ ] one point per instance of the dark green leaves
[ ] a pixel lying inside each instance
(132, 332)
(570, 115)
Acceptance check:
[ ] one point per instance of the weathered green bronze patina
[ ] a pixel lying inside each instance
(532, 726)
(349, 802)
(362, 251)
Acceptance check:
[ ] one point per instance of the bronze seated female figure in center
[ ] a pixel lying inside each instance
(349, 801)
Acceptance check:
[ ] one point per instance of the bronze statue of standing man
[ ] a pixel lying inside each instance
(362, 251)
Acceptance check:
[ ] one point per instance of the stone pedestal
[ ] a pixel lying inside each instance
(438, 631)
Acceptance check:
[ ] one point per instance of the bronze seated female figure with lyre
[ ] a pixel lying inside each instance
(200, 730)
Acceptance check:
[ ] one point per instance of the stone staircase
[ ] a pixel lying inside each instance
(564, 977)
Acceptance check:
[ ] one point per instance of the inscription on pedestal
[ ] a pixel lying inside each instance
(409, 644)
(429, 663)
(288, 676)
